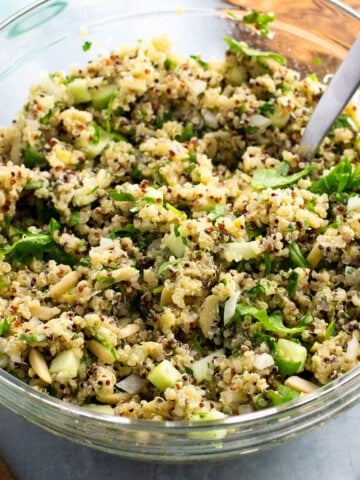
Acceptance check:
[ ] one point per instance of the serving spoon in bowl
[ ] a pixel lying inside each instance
(342, 87)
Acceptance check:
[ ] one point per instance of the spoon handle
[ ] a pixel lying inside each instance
(341, 88)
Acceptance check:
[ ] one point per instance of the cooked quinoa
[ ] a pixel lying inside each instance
(165, 252)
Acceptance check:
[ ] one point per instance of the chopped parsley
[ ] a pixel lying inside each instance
(261, 21)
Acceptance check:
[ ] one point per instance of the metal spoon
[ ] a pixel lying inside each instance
(340, 90)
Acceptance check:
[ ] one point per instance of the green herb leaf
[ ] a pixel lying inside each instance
(271, 398)
(54, 226)
(239, 47)
(45, 120)
(86, 46)
(169, 64)
(267, 109)
(261, 21)
(34, 159)
(296, 256)
(340, 178)
(343, 121)
(199, 60)
(186, 134)
(292, 282)
(37, 246)
(32, 337)
(75, 219)
(33, 185)
(105, 280)
(4, 326)
(164, 267)
(274, 178)
(129, 230)
(217, 212)
(121, 196)
(330, 329)
(272, 323)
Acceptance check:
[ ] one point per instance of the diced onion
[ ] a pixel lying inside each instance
(230, 306)
(131, 384)
(259, 121)
(263, 360)
(353, 204)
(353, 348)
(210, 118)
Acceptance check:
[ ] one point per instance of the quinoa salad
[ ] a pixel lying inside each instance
(166, 254)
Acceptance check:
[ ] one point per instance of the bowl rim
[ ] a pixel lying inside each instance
(285, 413)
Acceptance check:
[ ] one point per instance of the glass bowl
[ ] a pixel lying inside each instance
(47, 36)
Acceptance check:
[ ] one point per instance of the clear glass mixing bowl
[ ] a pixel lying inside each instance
(48, 36)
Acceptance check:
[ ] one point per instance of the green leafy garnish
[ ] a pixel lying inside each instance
(292, 282)
(121, 196)
(4, 326)
(34, 159)
(341, 178)
(274, 177)
(267, 109)
(217, 212)
(169, 64)
(105, 280)
(75, 219)
(343, 121)
(330, 329)
(159, 123)
(296, 256)
(240, 47)
(271, 398)
(272, 323)
(86, 46)
(128, 230)
(38, 246)
(257, 290)
(199, 60)
(33, 185)
(164, 267)
(32, 337)
(260, 21)
(45, 120)
(186, 134)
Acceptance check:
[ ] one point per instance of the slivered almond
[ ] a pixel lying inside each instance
(39, 365)
(100, 351)
(128, 330)
(43, 312)
(64, 285)
(113, 398)
(124, 273)
(166, 296)
(209, 314)
(300, 384)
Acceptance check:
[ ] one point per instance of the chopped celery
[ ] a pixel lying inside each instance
(202, 367)
(97, 408)
(164, 375)
(79, 90)
(290, 357)
(65, 361)
(101, 97)
(94, 148)
(175, 242)
(206, 417)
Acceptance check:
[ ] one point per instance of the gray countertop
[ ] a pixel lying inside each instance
(330, 452)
